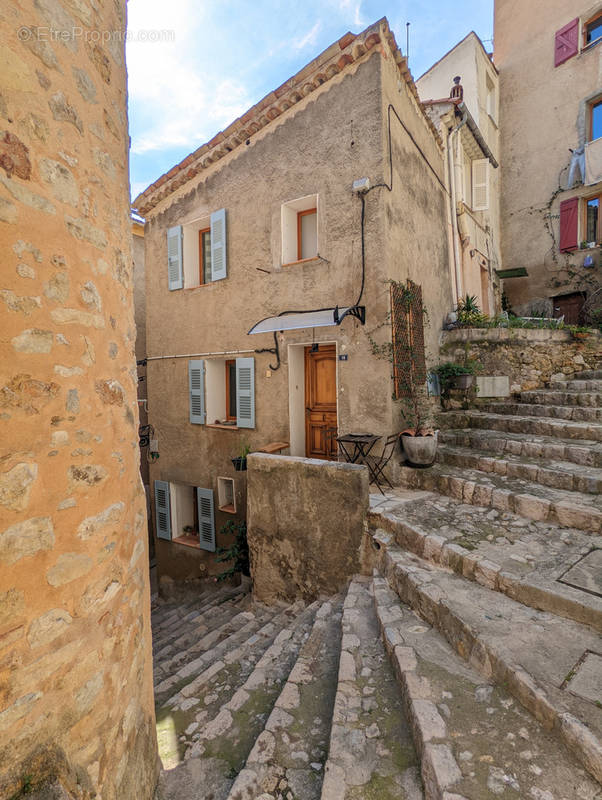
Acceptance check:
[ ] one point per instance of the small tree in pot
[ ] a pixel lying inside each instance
(419, 438)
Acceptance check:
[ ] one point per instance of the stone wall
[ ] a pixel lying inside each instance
(76, 701)
(529, 357)
(306, 521)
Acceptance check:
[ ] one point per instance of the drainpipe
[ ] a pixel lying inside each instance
(454, 138)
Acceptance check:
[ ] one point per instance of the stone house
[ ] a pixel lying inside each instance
(263, 221)
(461, 94)
(548, 55)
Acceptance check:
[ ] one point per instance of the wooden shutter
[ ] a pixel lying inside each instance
(196, 388)
(569, 224)
(566, 42)
(175, 273)
(218, 245)
(204, 498)
(162, 510)
(245, 392)
(480, 184)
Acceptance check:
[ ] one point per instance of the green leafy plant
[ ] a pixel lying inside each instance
(469, 313)
(450, 370)
(237, 552)
(244, 450)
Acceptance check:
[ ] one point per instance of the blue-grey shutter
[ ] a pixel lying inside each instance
(196, 389)
(245, 392)
(204, 498)
(162, 510)
(218, 245)
(175, 272)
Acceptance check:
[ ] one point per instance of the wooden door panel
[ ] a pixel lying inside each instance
(320, 402)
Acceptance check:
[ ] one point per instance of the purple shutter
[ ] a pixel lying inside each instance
(569, 224)
(566, 43)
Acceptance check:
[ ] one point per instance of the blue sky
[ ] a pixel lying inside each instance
(220, 57)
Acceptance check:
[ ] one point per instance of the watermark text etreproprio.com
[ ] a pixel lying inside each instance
(49, 34)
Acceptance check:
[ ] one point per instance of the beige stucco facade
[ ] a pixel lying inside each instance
(470, 129)
(314, 136)
(544, 114)
(76, 700)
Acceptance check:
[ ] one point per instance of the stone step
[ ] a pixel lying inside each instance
(589, 374)
(229, 636)
(557, 474)
(290, 753)
(561, 398)
(576, 385)
(187, 614)
(573, 413)
(550, 664)
(526, 445)
(474, 739)
(540, 426)
(528, 499)
(536, 563)
(371, 751)
(223, 739)
(187, 637)
(218, 660)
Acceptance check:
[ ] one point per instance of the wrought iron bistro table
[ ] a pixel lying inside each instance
(356, 447)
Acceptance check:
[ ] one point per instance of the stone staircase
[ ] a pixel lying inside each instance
(467, 667)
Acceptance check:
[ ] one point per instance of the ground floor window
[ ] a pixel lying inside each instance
(185, 514)
(592, 219)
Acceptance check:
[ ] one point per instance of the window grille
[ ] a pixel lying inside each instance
(407, 322)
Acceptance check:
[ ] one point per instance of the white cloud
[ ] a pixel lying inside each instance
(310, 38)
(352, 10)
(170, 88)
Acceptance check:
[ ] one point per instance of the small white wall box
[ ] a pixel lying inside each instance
(493, 386)
(361, 185)
(226, 497)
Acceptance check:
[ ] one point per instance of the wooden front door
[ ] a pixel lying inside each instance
(321, 402)
(569, 306)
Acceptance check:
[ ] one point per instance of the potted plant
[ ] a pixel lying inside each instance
(240, 461)
(469, 314)
(455, 376)
(579, 332)
(419, 439)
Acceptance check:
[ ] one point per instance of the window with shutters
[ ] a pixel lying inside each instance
(300, 230)
(480, 184)
(595, 120)
(222, 392)
(197, 252)
(185, 514)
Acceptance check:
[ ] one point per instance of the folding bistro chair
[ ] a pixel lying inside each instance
(377, 464)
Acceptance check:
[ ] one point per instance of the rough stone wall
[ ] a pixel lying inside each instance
(75, 664)
(528, 357)
(305, 525)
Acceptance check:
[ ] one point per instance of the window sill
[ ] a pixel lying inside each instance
(591, 45)
(188, 541)
(222, 427)
(229, 509)
(301, 261)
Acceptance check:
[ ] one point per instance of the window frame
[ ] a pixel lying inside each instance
(585, 25)
(300, 215)
(230, 362)
(583, 216)
(597, 101)
(203, 282)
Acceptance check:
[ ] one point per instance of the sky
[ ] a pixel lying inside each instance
(195, 66)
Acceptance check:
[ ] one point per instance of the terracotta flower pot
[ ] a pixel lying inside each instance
(420, 451)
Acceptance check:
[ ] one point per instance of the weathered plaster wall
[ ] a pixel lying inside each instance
(415, 216)
(542, 115)
(75, 662)
(319, 146)
(306, 521)
(528, 357)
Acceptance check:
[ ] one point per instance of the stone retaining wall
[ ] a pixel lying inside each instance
(76, 702)
(306, 520)
(529, 357)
